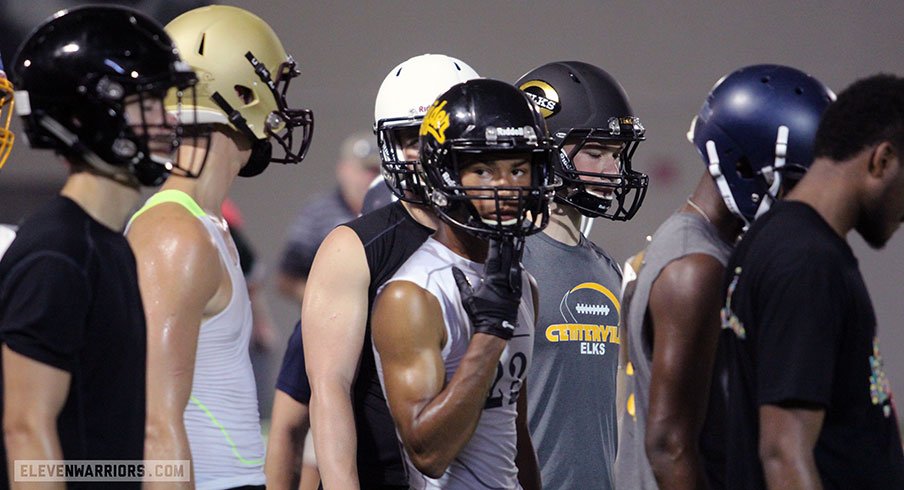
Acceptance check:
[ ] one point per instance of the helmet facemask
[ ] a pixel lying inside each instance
(513, 211)
(7, 138)
(281, 124)
(616, 195)
(400, 173)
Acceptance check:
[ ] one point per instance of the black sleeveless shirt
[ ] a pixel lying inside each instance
(389, 235)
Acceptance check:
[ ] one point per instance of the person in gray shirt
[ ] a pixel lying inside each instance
(571, 398)
(755, 135)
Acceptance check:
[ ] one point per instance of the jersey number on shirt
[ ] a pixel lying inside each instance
(517, 365)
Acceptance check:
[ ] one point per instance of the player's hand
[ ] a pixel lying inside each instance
(493, 305)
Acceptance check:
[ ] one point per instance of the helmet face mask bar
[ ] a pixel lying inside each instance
(281, 124)
(616, 196)
(454, 202)
(485, 121)
(7, 104)
(399, 172)
(403, 99)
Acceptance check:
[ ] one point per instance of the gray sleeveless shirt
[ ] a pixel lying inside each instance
(680, 235)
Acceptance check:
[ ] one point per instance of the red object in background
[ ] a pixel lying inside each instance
(664, 170)
(231, 214)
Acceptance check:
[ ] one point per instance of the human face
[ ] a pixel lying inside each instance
(148, 119)
(409, 143)
(883, 211)
(597, 162)
(495, 183)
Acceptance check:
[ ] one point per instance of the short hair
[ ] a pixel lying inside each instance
(868, 112)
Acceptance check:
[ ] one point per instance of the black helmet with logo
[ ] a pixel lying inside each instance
(487, 119)
(583, 104)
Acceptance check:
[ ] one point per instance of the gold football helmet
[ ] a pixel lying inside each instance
(243, 74)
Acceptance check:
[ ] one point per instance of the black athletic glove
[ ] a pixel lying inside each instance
(493, 305)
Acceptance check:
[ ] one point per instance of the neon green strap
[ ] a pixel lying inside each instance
(214, 421)
(174, 196)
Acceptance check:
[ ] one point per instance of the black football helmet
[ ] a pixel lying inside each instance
(490, 119)
(584, 104)
(75, 74)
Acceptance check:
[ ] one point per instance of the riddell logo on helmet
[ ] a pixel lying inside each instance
(436, 121)
(542, 93)
(510, 131)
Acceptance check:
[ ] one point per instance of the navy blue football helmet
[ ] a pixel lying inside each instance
(755, 133)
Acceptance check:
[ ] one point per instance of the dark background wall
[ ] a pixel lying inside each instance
(666, 54)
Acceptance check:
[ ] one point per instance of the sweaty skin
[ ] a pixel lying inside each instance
(683, 314)
(183, 282)
(436, 417)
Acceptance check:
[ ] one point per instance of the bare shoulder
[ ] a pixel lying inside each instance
(690, 275)
(406, 314)
(169, 239)
(687, 292)
(343, 251)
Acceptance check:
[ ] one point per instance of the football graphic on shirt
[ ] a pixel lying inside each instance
(590, 314)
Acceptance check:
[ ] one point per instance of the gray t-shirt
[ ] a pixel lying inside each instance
(571, 383)
(680, 235)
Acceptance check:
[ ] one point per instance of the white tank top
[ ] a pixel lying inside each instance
(488, 459)
(222, 418)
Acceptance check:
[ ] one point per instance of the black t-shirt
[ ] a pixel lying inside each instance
(69, 298)
(292, 379)
(389, 235)
(799, 329)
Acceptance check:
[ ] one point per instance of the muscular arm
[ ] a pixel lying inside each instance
(787, 438)
(179, 273)
(334, 316)
(435, 418)
(288, 427)
(684, 311)
(33, 396)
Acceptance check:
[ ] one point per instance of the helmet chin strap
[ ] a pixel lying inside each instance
(722, 183)
(771, 175)
(586, 225)
(103, 168)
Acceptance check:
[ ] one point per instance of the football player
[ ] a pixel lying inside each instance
(755, 135)
(202, 402)
(571, 403)
(354, 436)
(453, 328)
(809, 403)
(91, 83)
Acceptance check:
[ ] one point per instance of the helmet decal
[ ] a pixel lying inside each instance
(544, 95)
(436, 121)
(586, 108)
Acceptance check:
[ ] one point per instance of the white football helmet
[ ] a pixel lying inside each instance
(403, 99)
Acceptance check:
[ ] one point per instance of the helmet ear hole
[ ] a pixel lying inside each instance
(244, 93)
(744, 168)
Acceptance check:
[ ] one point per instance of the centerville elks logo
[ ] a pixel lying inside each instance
(591, 315)
(542, 93)
(436, 121)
